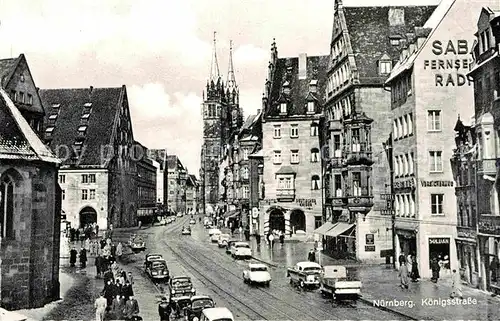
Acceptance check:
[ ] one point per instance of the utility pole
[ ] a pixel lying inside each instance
(388, 146)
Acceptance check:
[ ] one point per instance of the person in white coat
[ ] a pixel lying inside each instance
(456, 285)
(100, 307)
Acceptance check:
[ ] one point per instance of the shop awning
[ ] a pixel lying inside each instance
(323, 228)
(231, 214)
(338, 229)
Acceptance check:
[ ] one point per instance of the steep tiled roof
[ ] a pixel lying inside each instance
(370, 31)
(172, 162)
(106, 102)
(7, 67)
(287, 70)
(17, 139)
(158, 155)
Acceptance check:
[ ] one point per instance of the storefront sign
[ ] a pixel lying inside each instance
(302, 202)
(452, 56)
(439, 240)
(369, 248)
(466, 233)
(489, 224)
(437, 183)
(409, 183)
(370, 239)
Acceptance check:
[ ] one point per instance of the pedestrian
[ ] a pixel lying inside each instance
(127, 291)
(83, 258)
(456, 285)
(98, 265)
(119, 251)
(282, 238)
(77, 235)
(87, 244)
(401, 259)
(117, 307)
(435, 270)
(72, 256)
(311, 257)
(403, 275)
(494, 269)
(130, 278)
(164, 309)
(108, 275)
(257, 238)
(100, 307)
(415, 275)
(131, 309)
(271, 240)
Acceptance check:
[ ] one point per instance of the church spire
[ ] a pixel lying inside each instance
(231, 79)
(214, 67)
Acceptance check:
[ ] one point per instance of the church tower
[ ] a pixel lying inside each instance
(214, 109)
(235, 114)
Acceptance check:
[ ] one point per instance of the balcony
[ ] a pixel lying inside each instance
(336, 162)
(487, 166)
(358, 154)
(361, 201)
(337, 199)
(334, 125)
(285, 194)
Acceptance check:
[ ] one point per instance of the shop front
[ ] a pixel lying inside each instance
(466, 243)
(406, 241)
(489, 248)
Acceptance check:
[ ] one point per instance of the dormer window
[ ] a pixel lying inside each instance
(48, 131)
(87, 105)
(82, 130)
(53, 117)
(56, 105)
(86, 116)
(310, 107)
(395, 42)
(21, 97)
(385, 67)
(484, 41)
(283, 108)
(313, 86)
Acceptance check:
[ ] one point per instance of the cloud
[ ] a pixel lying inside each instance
(172, 121)
(249, 54)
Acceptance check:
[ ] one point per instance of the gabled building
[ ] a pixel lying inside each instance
(292, 110)
(177, 177)
(146, 184)
(486, 75)
(191, 194)
(90, 129)
(30, 209)
(366, 41)
(160, 156)
(430, 90)
(17, 81)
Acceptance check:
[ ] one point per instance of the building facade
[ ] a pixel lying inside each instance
(257, 189)
(365, 42)
(191, 193)
(222, 117)
(486, 76)
(146, 184)
(90, 129)
(177, 177)
(292, 171)
(30, 209)
(430, 88)
(160, 157)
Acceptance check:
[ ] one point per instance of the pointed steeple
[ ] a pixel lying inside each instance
(231, 79)
(214, 67)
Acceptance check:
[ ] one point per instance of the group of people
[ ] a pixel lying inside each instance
(83, 233)
(407, 264)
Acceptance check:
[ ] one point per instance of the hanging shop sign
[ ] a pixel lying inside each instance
(370, 239)
(437, 183)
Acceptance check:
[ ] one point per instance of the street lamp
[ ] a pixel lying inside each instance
(388, 146)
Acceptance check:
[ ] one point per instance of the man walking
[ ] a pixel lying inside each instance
(311, 257)
(164, 309)
(100, 307)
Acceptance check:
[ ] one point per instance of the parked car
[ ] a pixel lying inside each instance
(230, 245)
(181, 285)
(192, 221)
(257, 273)
(150, 257)
(174, 218)
(223, 239)
(180, 215)
(180, 304)
(305, 274)
(198, 303)
(334, 282)
(215, 314)
(241, 250)
(137, 244)
(215, 236)
(186, 230)
(157, 270)
(213, 230)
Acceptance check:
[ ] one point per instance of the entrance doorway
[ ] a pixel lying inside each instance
(297, 220)
(277, 220)
(88, 215)
(439, 249)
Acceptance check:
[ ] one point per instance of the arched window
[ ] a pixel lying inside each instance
(314, 155)
(7, 207)
(315, 182)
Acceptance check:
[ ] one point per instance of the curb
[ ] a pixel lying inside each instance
(265, 262)
(386, 309)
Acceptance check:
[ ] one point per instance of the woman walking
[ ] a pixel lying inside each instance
(403, 275)
(456, 285)
(414, 270)
(435, 270)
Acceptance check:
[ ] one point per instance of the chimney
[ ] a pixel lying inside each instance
(396, 17)
(91, 88)
(302, 66)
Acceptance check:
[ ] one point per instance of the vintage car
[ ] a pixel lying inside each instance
(181, 286)
(162, 221)
(241, 250)
(212, 230)
(223, 239)
(334, 282)
(215, 314)
(180, 215)
(150, 257)
(186, 230)
(257, 273)
(157, 270)
(305, 274)
(192, 221)
(230, 245)
(137, 243)
(180, 304)
(198, 303)
(215, 236)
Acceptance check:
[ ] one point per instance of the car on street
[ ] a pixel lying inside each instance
(223, 239)
(186, 230)
(198, 304)
(192, 221)
(180, 215)
(158, 270)
(212, 230)
(334, 282)
(150, 257)
(215, 236)
(305, 274)
(162, 221)
(137, 243)
(181, 286)
(215, 314)
(257, 273)
(241, 250)
(230, 245)
(174, 218)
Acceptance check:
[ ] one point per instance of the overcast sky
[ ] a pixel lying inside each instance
(161, 49)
